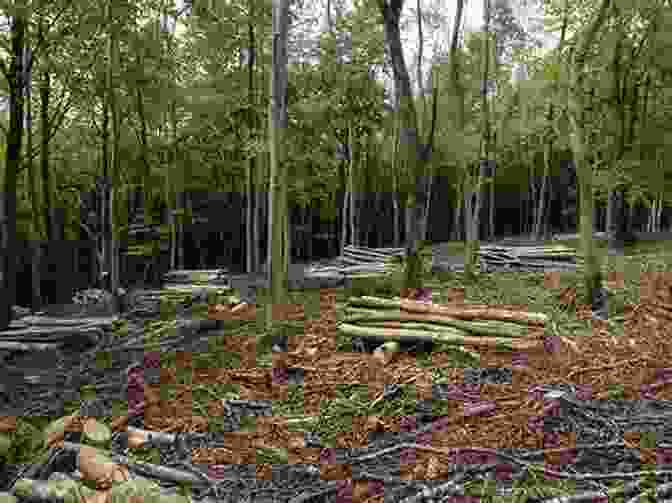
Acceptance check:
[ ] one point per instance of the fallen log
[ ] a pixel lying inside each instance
(464, 312)
(447, 335)
(48, 334)
(190, 288)
(47, 321)
(365, 254)
(491, 327)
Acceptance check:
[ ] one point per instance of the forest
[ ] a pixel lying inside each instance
(463, 174)
(124, 154)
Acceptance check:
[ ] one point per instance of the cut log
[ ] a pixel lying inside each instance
(50, 334)
(465, 312)
(447, 335)
(492, 327)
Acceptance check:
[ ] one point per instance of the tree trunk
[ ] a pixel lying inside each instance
(576, 108)
(112, 163)
(456, 231)
(249, 212)
(12, 166)
(395, 181)
(250, 228)
(542, 196)
(425, 223)
(258, 218)
(395, 223)
(309, 234)
(491, 226)
(37, 236)
(345, 213)
(472, 222)
(180, 196)
(609, 217)
(413, 166)
(47, 181)
(354, 203)
(277, 127)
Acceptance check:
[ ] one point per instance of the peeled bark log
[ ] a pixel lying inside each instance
(466, 313)
(445, 336)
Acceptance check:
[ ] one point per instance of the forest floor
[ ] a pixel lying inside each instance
(614, 359)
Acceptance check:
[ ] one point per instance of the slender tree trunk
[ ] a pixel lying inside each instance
(277, 126)
(630, 227)
(413, 165)
(543, 195)
(456, 234)
(354, 203)
(491, 226)
(395, 216)
(115, 164)
(252, 250)
(172, 223)
(459, 104)
(258, 216)
(609, 217)
(473, 225)
(425, 223)
(45, 92)
(249, 211)
(180, 195)
(345, 212)
(12, 165)
(395, 179)
(576, 108)
(37, 236)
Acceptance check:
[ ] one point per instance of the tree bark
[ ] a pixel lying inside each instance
(456, 231)
(277, 128)
(413, 165)
(544, 188)
(578, 137)
(252, 250)
(491, 226)
(45, 92)
(353, 206)
(345, 211)
(473, 225)
(115, 163)
(12, 166)
(395, 182)
(459, 105)
(37, 236)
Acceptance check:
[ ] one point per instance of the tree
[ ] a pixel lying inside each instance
(277, 205)
(14, 75)
(413, 158)
(576, 72)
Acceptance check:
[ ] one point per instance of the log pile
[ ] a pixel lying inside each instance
(45, 333)
(557, 257)
(358, 262)
(403, 320)
(197, 276)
